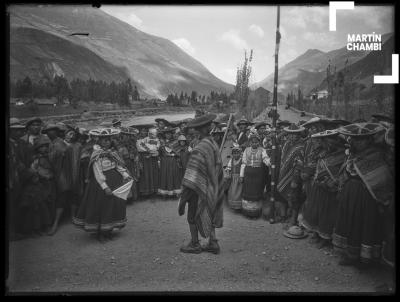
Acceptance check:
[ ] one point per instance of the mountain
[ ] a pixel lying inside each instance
(363, 71)
(107, 49)
(309, 69)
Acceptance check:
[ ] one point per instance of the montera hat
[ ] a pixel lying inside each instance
(295, 232)
(361, 129)
(326, 133)
(201, 121)
(104, 132)
(293, 128)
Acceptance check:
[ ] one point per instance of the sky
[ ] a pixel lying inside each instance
(217, 36)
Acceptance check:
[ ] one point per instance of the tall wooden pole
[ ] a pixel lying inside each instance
(274, 178)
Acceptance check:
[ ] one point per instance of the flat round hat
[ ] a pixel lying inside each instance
(361, 129)
(295, 232)
(244, 121)
(49, 127)
(167, 123)
(325, 133)
(293, 128)
(201, 121)
(389, 137)
(16, 123)
(33, 120)
(104, 132)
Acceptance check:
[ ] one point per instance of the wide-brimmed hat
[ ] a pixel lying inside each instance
(389, 136)
(16, 124)
(382, 117)
(361, 129)
(326, 133)
(244, 121)
(116, 121)
(41, 141)
(129, 130)
(33, 120)
(167, 123)
(104, 132)
(49, 127)
(236, 147)
(260, 124)
(201, 121)
(295, 232)
(316, 120)
(293, 128)
(283, 123)
(182, 138)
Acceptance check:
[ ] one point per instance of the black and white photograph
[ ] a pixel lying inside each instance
(200, 149)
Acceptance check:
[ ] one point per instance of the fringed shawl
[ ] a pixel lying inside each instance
(291, 153)
(329, 167)
(204, 175)
(98, 153)
(376, 175)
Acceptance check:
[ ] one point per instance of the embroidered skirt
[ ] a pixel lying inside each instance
(358, 227)
(99, 211)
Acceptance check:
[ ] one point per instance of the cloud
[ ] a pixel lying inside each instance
(185, 45)
(257, 30)
(324, 40)
(232, 37)
(126, 16)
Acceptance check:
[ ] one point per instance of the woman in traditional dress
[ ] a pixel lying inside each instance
(101, 209)
(170, 171)
(319, 215)
(366, 189)
(183, 151)
(128, 151)
(253, 175)
(38, 196)
(233, 179)
(148, 148)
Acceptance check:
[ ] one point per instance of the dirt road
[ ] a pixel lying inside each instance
(145, 256)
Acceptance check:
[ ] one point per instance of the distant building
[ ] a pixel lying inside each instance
(263, 94)
(319, 95)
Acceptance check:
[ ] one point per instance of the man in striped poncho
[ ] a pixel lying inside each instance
(202, 189)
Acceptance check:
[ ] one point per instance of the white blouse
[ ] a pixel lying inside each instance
(254, 159)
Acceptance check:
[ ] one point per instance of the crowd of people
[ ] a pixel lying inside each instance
(334, 179)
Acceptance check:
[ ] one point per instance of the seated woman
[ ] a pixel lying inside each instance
(253, 175)
(103, 210)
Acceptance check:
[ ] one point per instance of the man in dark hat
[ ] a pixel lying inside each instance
(57, 149)
(33, 128)
(290, 184)
(202, 189)
(18, 166)
(242, 136)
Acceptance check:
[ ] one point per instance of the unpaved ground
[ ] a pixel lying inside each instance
(144, 256)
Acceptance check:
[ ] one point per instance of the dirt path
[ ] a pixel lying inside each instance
(144, 256)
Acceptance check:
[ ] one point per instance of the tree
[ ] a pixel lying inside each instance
(136, 95)
(62, 89)
(242, 81)
(193, 97)
(25, 87)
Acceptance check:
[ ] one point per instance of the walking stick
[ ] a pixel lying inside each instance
(274, 179)
(226, 132)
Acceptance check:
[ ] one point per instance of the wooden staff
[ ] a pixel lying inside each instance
(274, 179)
(226, 132)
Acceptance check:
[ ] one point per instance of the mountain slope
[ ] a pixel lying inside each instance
(156, 63)
(309, 69)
